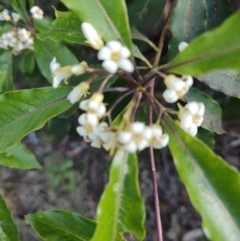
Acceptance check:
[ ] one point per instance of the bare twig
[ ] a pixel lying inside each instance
(153, 169)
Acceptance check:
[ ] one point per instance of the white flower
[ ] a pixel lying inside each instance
(9, 39)
(78, 92)
(88, 122)
(4, 15)
(182, 46)
(136, 138)
(23, 34)
(16, 17)
(191, 116)
(94, 105)
(157, 139)
(36, 12)
(176, 87)
(63, 73)
(93, 38)
(114, 56)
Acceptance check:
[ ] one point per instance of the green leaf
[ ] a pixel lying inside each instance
(21, 8)
(206, 137)
(188, 21)
(145, 15)
(46, 50)
(217, 12)
(137, 35)
(6, 65)
(67, 26)
(213, 185)
(19, 157)
(217, 49)
(2, 77)
(28, 110)
(213, 113)
(27, 62)
(56, 225)
(115, 212)
(108, 17)
(43, 25)
(139, 55)
(226, 81)
(6, 222)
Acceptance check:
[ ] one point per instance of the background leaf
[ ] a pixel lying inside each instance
(28, 110)
(2, 77)
(19, 157)
(217, 12)
(213, 185)
(217, 49)
(6, 65)
(226, 81)
(6, 222)
(67, 26)
(213, 113)
(27, 62)
(115, 212)
(145, 15)
(56, 225)
(187, 22)
(47, 49)
(108, 17)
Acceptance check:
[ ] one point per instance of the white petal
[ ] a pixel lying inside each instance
(110, 66)
(188, 80)
(83, 105)
(193, 130)
(186, 121)
(147, 134)
(156, 130)
(170, 96)
(115, 46)
(199, 121)
(124, 137)
(137, 127)
(54, 65)
(201, 109)
(96, 144)
(101, 110)
(104, 53)
(125, 52)
(81, 131)
(131, 147)
(164, 140)
(182, 46)
(92, 119)
(192, 107)
(82, 120)
(126, 65)
(142, 145)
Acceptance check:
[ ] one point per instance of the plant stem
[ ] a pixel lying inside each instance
(153, 169)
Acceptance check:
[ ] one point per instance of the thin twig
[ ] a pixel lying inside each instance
(137, 100)
(153, 169)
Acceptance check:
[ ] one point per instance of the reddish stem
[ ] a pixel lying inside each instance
(153, 169)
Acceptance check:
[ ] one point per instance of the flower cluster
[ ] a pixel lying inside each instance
(114, 55)
(138, 137)
(5, 15)
(191, 116)
(36, 12)
(17, 39)
(176, 87)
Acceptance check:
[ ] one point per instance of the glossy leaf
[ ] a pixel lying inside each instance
(226, 81)
(217, 49)
(28, 110)
(213, 113)
(187, 22)
(137, 54)
(212, 184)
(27, 62)
(19, 157)
(6, 65)
(115, 212)
(6, 222)
(47, 49)
(67, 26)
(109, 18)
(145, 15)
(56, 225)
(43, 25)
(2, 77)
(21, 8)
(137, 35)
(217, 12)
